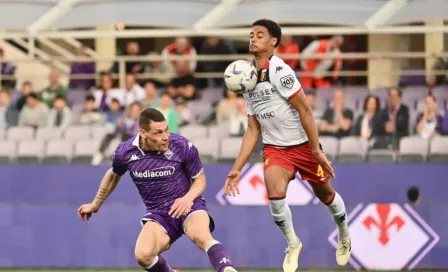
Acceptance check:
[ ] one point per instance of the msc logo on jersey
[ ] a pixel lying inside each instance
(253, 190)
(160, 172)
(287, 81)
(265, 115)
(399, 237)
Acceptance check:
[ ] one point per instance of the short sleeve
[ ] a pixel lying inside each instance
(192, 163)
(284, 79)
(249, 109)
(118, 162)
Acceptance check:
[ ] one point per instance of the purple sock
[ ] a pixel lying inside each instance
(159, 266)
(218, 257)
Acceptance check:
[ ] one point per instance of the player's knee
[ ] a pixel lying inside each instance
(145, 256)
(201, 239)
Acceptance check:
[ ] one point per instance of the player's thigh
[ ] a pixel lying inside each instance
(277, 179)
(197, 228)
(151, 241)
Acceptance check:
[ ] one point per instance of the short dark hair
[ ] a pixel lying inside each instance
(413, 194)
(395, 88)
(59, 97)
(115, 100)
(32, 95)
(273, 29)
(90, 98)
(377, 101)
(148, 116)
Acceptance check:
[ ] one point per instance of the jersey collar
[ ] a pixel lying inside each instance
(136, 143)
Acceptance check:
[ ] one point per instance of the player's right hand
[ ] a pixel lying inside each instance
(231, 185)
(86, 211)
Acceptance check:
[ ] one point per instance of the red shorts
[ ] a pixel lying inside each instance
(297, 158)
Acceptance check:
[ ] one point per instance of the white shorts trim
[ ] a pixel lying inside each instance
(152, 220)
(188, 216)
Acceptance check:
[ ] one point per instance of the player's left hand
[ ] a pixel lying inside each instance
(181, 206)
(325, 163)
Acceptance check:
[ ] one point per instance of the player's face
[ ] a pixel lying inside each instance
(260, 40)
(158, 136)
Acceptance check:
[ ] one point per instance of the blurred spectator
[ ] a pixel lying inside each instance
(60, 115)
(215, 46)
(337, 120)
(34, 113)
(133, 91)
(317, 114)
(226, 107)
(55, 88)
(429, 122)
(104, 94)
(181, 47)
(239, 120)
(318, 67)
(365, 126)
(126, 128)
(184, 85)
(394, 121)
(135, 67)
(158, 67)
(8, 113)
(441, 64)
(80, 68)
(27, 88)
(151, 99)
(445, 124)
(7, 69)
(90, 116)
(183, 111)
(113, 113)
(166, 107)
(288, 46)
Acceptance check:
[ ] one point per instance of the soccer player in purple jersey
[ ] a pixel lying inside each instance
(170, 179)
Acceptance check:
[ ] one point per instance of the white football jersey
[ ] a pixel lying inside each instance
(280, 122)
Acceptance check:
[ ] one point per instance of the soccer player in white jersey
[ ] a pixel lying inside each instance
(279, 112)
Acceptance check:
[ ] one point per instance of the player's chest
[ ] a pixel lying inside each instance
(154, 169)
(263, 94)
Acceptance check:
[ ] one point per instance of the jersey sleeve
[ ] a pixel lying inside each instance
(285, 80)
(249, 109)
(192, 163)
(119, 166)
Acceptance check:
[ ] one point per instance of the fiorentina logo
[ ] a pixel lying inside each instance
(253, 191)
(387, 236)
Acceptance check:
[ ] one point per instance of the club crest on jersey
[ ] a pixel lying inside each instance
(287, 81)
(168, 154)
(263, 75)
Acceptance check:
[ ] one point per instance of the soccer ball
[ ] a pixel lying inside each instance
(241, 76)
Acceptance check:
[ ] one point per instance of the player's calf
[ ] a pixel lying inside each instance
(197, 229)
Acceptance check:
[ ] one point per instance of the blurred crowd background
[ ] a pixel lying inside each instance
(360, 86)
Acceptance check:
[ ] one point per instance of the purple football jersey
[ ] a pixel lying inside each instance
(160, 178)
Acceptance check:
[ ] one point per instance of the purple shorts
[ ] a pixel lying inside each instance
(175, 227)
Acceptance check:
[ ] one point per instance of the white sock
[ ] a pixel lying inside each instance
(337, 210)
(282, 216)
(156, 259)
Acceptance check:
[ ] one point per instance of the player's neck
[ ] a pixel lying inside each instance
(262, 59)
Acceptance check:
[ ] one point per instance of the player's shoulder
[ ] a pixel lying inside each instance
(277, 65)
(126, 147)
(179, 141)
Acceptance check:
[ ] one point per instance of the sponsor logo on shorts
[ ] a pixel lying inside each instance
(386, 228)
(161, 172)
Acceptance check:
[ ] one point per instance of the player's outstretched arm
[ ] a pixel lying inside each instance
(107, 186)
(250, 141)
(300, 103)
